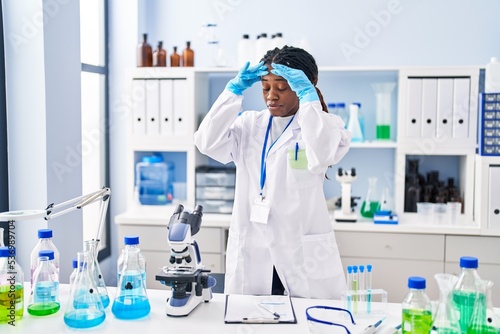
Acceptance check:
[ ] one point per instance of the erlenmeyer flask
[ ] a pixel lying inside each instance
(84, 309)
(370, 204)
(131, 301)
(483, 320)
(95, 271)
(446, 316)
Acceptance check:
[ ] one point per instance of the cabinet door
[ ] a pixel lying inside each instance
(494, 198)
(166, 107)
(180, 95)
(139, 107)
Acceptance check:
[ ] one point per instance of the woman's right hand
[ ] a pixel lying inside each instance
(247, 76)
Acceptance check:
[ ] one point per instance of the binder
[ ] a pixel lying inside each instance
(254, 309)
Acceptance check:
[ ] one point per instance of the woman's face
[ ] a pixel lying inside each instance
(280, 99)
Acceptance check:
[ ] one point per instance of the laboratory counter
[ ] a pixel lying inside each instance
(206, 317)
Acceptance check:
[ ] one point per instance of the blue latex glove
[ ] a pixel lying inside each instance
(298, 82)
(247, 76)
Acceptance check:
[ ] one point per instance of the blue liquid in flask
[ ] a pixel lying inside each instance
(132, 302)
(82, 318)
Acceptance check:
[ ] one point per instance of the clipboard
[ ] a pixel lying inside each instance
(259, 309)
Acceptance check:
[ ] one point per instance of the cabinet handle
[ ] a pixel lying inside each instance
(180, 119)
(413, 120)
(429, 121)
(152, 119)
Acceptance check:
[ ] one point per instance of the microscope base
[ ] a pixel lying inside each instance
(341, 217)
(187, 305)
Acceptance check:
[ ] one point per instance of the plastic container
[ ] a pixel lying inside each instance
(131, 301)
(154, 179)
(11, 290)
(417, 308)
(44, 243)
(492, 76)
(131, 242)
(464, 292)
(160, 56)
(144, 53)
(188, 56)
(246, 50)
(44, 297)
(261, 47)
(354, 126)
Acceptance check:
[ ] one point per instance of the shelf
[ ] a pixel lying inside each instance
(375, 144)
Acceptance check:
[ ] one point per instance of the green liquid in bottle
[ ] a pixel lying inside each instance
(482, 330)
(416, 321)
(9, 294)
(383, 132)
(369, 211)
(41, 309)
(464, 301)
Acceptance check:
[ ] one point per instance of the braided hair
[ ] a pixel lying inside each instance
(299, 59)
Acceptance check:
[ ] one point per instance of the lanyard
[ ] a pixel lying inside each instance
(266, 153)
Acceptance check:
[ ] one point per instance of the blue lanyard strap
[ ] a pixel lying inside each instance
(266, 153)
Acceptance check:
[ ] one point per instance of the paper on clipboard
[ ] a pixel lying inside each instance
(259, 309)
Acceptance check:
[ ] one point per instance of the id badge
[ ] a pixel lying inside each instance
(260, 211)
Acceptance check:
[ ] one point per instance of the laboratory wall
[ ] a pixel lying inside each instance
(42, 58)
(338, 33)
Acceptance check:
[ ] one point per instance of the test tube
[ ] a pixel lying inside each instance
(361, 284)
(355, 288)
(349, 287)
(368, 287)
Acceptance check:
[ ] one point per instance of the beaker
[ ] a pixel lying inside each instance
(483, 320)
(370, 204)
(131, 301)
(383, 92)
(85, 308)
(44, 297)
(445, 316)
(95, 271)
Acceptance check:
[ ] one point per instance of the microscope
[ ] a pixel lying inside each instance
(346, 213)
(189, 280)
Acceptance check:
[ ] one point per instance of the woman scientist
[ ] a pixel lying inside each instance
(281, 237)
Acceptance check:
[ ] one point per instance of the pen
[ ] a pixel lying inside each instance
(296, 150)
(372, 328)
(276, 315)
(395, 329)
(259, 321)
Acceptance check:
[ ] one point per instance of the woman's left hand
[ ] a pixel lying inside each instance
(298, 82)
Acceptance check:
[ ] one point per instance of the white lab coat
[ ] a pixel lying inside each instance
(298, 238)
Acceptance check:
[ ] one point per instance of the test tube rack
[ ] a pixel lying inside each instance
(365, 303)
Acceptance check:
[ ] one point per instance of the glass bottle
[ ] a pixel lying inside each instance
(354, 126)
(484, 320)
(370, 204)
(417, 308)
(44, 243)
(160, 56)
(84, 308)
(188, 56)
(175, 58)
(131, 243)
(11, 290)
(44, 297)
(144, 53)
(464, 292)
(445, 318)
(90, 246)
(131, 301)
(342, 112)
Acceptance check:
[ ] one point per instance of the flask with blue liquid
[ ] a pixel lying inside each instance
(131, 242)
(84, 308)
(131, 301)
